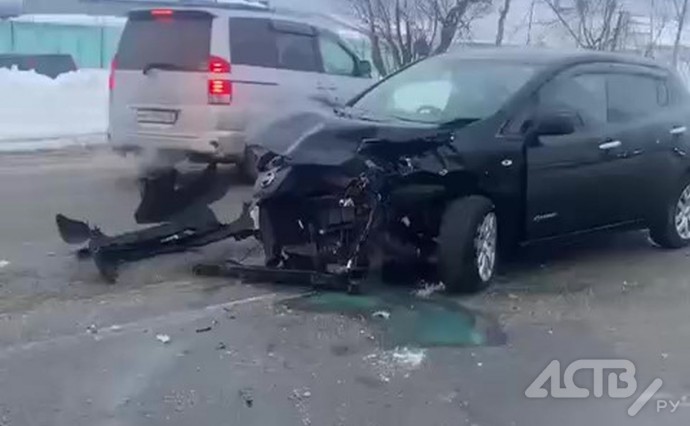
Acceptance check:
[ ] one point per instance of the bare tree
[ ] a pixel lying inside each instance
(681, 9)
(502, 15)
(593, 24)
(406, 30)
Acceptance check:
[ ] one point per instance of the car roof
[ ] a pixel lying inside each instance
(549, 57)
(239, 10)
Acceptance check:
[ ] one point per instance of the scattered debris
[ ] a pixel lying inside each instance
(163, 338)
(204, 329)
(247, 397)
(92, 329)
(428, 289)
(52, 254)
(479, 364)
(381, 314)
(115, 328)
(4, 263)
(664, 355)
(513, 296)
(550, 331)
(221, 346)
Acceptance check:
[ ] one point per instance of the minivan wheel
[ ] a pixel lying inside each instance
(249, 166)
(468, 244)
(672, 229)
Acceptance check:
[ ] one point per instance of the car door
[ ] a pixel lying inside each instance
(572, 183)
(649, 126)
(275, 68)
(344, 76)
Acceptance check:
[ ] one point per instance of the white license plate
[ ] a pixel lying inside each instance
(157, 116)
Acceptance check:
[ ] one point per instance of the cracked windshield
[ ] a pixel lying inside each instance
(344, 212)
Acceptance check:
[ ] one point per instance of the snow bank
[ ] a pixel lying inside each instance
(34, 107)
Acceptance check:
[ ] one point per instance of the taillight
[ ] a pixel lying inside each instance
(162, 13)
(219, 89)
(111, 77)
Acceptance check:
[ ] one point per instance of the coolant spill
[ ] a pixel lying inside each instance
(413, 322)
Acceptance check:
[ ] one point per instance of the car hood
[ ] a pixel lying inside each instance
(332, 138)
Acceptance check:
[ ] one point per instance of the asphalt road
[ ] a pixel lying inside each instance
(76, 351)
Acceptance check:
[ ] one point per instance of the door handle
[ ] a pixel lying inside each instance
(678, 130)
(610, 145)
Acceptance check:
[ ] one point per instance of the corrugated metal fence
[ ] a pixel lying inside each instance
(90, 46)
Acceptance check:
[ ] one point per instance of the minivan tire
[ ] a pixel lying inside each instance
(664, 230)
(459, 248)
(249, 166)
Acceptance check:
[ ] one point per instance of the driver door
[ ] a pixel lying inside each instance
(572, 180)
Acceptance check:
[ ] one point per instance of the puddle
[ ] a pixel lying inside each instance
(413, 321)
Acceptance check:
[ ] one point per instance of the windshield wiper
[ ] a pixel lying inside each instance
(459, 122)
(160, 66)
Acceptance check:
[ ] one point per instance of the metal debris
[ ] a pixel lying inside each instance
(163, 338)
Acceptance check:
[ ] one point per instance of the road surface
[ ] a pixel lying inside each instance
(76, 351)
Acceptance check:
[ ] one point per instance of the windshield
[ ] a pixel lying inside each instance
(443, 89)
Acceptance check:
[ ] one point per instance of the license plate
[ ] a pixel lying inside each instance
(157, 116)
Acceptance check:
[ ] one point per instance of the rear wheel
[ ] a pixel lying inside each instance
(672, 228)
(249, 166)
(468, 244)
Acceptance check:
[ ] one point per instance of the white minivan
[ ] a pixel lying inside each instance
(189, 82)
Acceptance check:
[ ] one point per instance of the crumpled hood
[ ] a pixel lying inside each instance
(331, 138)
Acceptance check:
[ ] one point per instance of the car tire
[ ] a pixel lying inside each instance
(671, 229)
(468, 244)
(249, 166)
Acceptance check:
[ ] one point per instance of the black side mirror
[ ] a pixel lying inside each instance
(364, 69)
(554, 124)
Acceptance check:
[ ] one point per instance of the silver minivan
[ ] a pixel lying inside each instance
(189, 82)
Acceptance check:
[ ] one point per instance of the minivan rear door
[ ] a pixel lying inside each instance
(160, 72)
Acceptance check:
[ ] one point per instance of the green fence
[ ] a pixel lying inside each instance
(90, 46)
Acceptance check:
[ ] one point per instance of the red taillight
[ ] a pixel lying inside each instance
(111, 78)
(219, 89)
(218, 65)
(162, 13)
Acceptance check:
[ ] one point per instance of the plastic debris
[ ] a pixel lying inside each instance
(247, 397)
(92, 329)
(664, 355)
(163, 338)
(381, 314)
(204, 329)
(4, 263)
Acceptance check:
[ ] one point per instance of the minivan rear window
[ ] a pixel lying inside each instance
(269, 43)
(179, 41)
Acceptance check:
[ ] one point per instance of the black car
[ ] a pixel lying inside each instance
(464, 154)
(50, 65)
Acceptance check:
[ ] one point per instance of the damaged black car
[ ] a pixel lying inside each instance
(463, 157)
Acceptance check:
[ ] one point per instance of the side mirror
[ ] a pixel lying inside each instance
(364, 69)
(554, 124)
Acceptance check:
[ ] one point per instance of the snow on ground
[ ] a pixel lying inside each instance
(37, 112)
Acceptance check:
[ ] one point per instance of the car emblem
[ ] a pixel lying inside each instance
(267, 179)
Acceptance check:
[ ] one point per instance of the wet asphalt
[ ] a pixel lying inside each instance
(77, 351)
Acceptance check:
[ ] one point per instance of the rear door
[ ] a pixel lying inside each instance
(275, 67)
(343, 76)
(160, 73)
(640, 121)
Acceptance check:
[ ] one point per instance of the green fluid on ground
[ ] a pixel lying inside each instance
(413, 321)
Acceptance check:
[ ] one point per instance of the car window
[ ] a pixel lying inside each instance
(631, 96)
(443, 89)
(255, 42)
(583, 94)
(336, 60)
(182, 40)
(296, 52)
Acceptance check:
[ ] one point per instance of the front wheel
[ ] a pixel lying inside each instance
(468, 244)
(672, 228)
